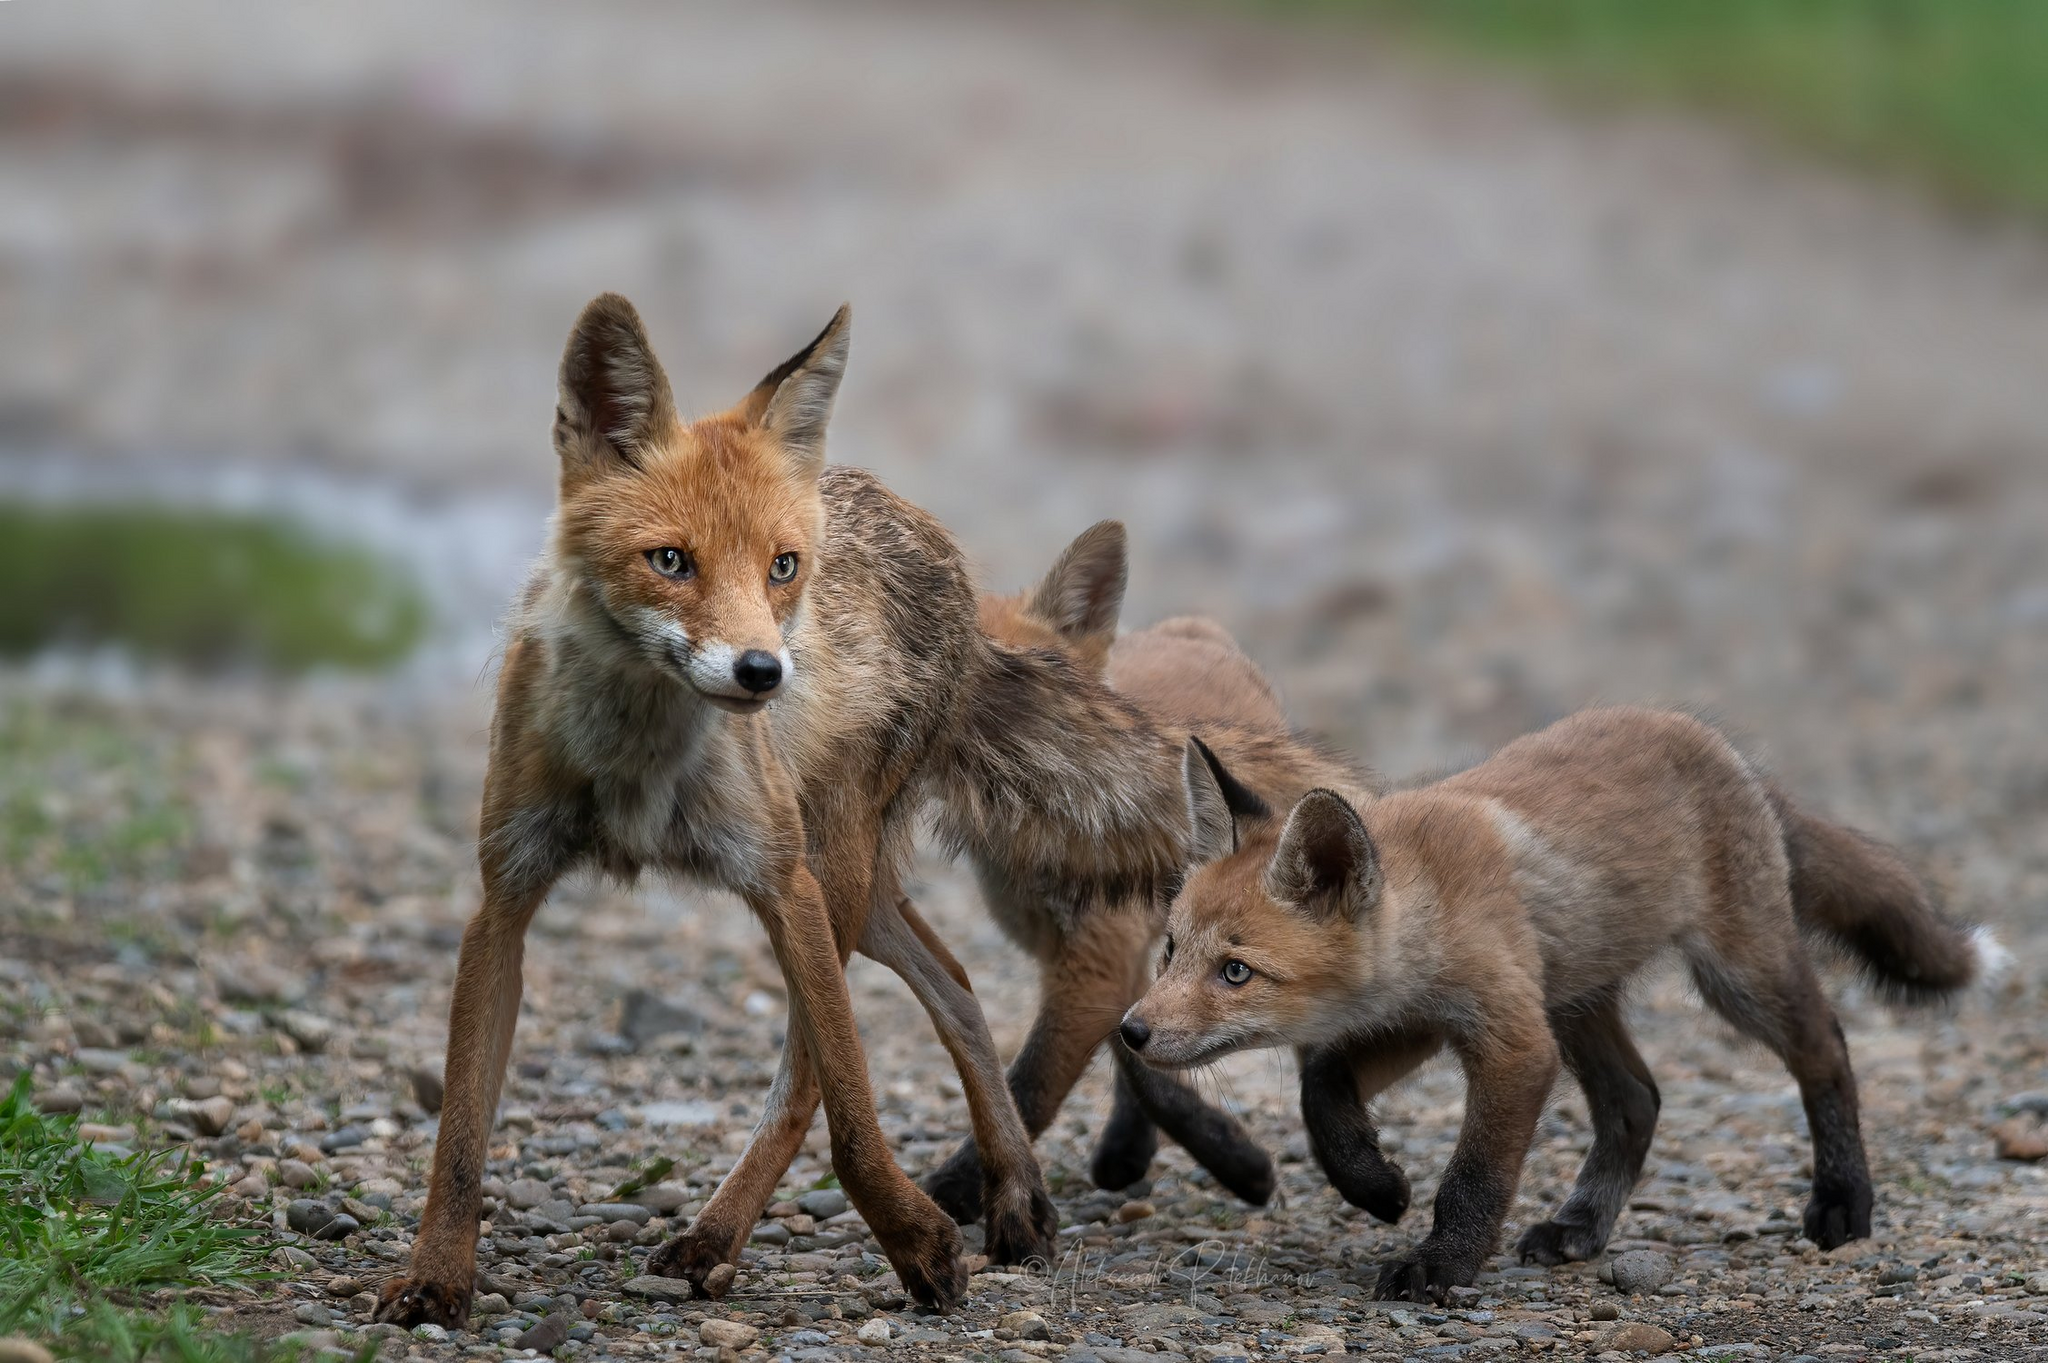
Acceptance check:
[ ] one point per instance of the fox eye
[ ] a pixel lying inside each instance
(671, 563)
(783, 568)
(1167, 959)
(1236, 972)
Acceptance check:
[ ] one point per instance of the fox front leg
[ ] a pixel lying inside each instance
(1336, 1088)
(1506, 1087)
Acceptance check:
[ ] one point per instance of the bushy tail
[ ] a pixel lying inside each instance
(1860, 893)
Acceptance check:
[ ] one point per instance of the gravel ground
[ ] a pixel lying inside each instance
(1462, 410)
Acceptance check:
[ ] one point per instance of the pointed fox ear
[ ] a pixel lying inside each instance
(795, 401)
(1083, 593)
(612, 398)
(1216, 801)
(1326, 864)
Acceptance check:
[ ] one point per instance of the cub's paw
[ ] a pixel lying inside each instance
(416, 1301)
(1022, 1224)
(696, 1258)
(956, 1185)
(1374, 1185)
(1551, 1243)
(1838, 1214)
(1242, 1167)
(926, 1257)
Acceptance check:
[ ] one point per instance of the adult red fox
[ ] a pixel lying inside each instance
(736, 664)
(1503, 912)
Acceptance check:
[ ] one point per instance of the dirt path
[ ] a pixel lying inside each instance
(1462, 410)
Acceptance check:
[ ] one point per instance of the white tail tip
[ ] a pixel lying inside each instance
(1993, 960)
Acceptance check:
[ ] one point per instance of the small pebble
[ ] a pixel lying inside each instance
(720, 1333)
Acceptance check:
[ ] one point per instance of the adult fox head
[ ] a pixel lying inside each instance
(1265, 943)
(695, 539)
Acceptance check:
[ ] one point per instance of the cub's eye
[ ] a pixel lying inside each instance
(1236, 973)
(1167, 959)
(672, 563)
(783, 568)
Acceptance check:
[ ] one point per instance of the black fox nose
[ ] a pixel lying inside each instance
(757, 670)
(1135, 1033)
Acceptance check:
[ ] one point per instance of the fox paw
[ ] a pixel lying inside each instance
(1420, 1278)
(927, 1258)
(416, 1301)
(1551, 1243)
(695, 1258)
(1837, 1215)
(1021, 1226)
(1377, 1187)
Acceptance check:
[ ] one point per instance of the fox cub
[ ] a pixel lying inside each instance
(1502, 913)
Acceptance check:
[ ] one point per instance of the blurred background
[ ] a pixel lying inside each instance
(1473, 361)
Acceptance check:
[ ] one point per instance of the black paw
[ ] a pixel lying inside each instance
(1421, 1278)
(1838, 1214)
(956, 1185)
(1551, 1243)
(1377, 1186)
(1244, 1168)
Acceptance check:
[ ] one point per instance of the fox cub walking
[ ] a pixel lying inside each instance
(1502, 913)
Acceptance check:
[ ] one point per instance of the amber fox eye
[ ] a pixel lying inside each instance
(1235, 973)
(672, 563)
(783, 568)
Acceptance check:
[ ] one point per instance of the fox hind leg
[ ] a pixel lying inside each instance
(1767, 990)
(1623, 1101)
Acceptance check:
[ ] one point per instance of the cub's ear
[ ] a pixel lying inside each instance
(795, 401)
(1083, 592)
(613, 400)
(1326, 864)
(1216, 801)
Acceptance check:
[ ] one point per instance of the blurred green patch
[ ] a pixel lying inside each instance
(203, 589)
(1952, 91)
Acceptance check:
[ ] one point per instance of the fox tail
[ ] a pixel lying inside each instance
(1859, 893)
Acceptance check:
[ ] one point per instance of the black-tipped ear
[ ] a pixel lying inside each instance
(612, 397)
(1216, 801)
(1242, 801)
(1083, 592)
(794, 402)
(1326, 863)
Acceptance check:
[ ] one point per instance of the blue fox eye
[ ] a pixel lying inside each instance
(783, 568)
(671, 563)
(1236, 972)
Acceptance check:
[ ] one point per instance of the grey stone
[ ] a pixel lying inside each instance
(1640, 1270)
(340, 1228)
(305, 1215)
(546, 1336)
(644, 1015)
(658, 1289)
(823, 1203)
(527, 1193)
